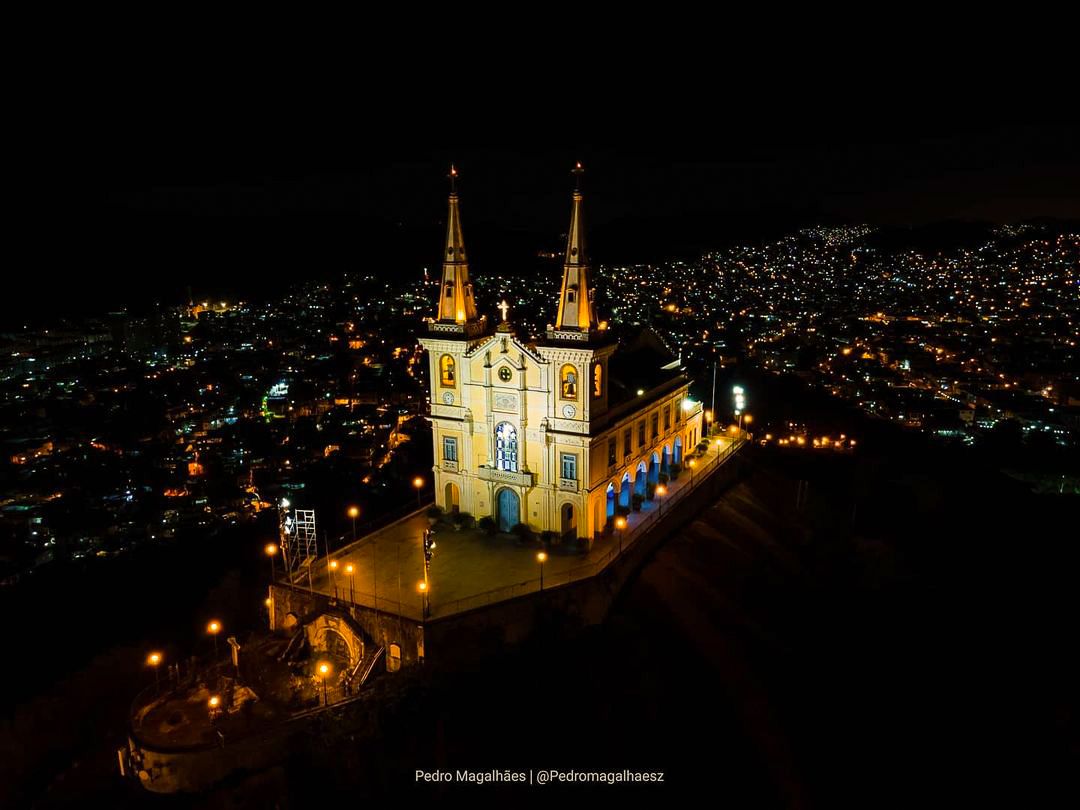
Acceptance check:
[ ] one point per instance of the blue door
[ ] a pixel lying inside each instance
(509, 510)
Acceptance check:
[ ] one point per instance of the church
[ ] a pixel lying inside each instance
(560, 433)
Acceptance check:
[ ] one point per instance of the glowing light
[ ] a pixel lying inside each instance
(640, 391)
(349, 569)
(541, 557)
(422, 587)
(620, 523)
(661, 489)
(270, 549)
(214, 702)
(333, 565)
(418, 482)
(153, 659)
(214, 627)
(354, 512)
(285, 503)
(324, 669)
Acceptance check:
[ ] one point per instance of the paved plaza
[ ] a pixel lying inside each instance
(470, 566)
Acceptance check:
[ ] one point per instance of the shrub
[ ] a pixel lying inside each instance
(550, 538)
(463, 520)
(523, 532)
(636, 501)
(435, 512)
(487, 524)
(663, 478)
(622, 510)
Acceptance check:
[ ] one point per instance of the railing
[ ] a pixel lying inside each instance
(625, 540)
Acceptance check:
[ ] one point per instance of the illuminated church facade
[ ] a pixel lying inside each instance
(559, 433)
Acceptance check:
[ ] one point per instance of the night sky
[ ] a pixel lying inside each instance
(151, 204)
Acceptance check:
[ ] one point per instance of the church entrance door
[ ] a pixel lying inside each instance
(509, 510)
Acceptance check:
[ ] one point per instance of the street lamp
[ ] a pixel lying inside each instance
(691, 464)
(349, 571)
(541, 558)
(214, 704)
(271, 550)
(661, 491)
(718, 443)
(354, 513)
(153, 659)
(418, 482)
(324, 674)
(620, 524)
(213, 629)
(422, 587)
(708, 422)
(333, 566)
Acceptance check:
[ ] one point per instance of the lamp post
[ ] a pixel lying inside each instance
(422, 587)
(661, 491)
(620, 525)
(740, 402)
(153, 660)
(418, 483)
(718, 443)
(213, 629)
(708, 422)
(691, 464)
(349, 571)
(271, 550)
(332, 566)
(354, 513)
(324, 674)
(541, 558)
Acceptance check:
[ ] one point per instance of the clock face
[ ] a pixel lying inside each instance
(448, 398)
(505, 374)
(568, 411)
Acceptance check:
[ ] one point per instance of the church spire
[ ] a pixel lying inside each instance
(576, 312)
(456, 304)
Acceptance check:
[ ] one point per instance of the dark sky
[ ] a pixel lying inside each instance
(149, 201)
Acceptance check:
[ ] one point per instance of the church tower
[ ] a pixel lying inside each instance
(578, 343)
(452, 335)
(576, 309)
(456, 304)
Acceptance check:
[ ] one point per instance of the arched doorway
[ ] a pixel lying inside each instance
(677, 455)
(665, 460)
(609, 514)
(624, 491)
(569, 521)
(509, 509)
(453, 502)
(654, 469)
(639, 480)
(337, 647)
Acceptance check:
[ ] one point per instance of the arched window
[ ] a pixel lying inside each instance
(597, 380)
(449, 290)
(506, 447)
(447, 370)
(568, 375)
